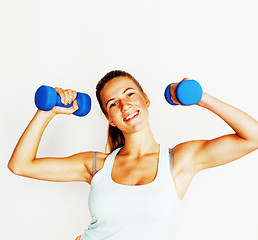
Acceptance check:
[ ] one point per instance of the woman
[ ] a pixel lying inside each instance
(134, 194)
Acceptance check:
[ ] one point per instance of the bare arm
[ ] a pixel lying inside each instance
(224, 149)
(24, 162)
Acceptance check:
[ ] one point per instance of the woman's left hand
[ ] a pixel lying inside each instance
(173, 91)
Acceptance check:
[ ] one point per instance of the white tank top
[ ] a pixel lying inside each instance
(133, 212)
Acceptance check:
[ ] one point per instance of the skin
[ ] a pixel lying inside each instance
(140, 149)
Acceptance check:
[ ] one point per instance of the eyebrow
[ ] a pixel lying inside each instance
(122, 93)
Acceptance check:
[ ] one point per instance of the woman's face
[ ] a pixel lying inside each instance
(125, 104)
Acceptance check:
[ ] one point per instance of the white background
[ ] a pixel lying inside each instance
(72, 44)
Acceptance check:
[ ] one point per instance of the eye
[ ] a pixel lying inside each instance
(112, 105)
(130, 94)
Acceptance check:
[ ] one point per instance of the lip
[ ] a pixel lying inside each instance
(127, 115)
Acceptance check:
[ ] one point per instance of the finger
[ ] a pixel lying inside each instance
(174, 100)
(75, 106)
(61, 93)
(74, 94)
(70, 96)
(65, 110)
(71, 109)
(173, 93)
(185, 79)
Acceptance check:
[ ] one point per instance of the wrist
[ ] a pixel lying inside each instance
(47, 115)
(204, 100)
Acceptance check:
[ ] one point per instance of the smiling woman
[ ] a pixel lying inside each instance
(137, 188)
(129, 88)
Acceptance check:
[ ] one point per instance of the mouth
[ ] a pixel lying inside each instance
(131, 116)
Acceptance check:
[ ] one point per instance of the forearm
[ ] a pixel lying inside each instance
(26, 149)
(245, 126)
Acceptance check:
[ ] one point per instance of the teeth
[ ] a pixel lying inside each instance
(131, 116)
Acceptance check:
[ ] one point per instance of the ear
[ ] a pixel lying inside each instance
(147, 100)
(110, 122)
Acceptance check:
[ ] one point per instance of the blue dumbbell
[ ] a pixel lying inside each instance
(187, 92)
(46, 98)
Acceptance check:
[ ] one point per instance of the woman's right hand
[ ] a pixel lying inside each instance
(67, 96)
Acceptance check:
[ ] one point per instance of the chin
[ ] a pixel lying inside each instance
(135, 128)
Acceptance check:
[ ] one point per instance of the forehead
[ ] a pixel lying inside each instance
(116, 86)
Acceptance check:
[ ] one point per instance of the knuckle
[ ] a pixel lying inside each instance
(58, 90)
(74, 94)
(70, 93)
(66, 93)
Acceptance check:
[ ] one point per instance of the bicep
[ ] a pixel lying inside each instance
(221, 150)
(73, 168)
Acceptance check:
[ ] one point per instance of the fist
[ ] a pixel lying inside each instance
(173, 91)
(67, 96)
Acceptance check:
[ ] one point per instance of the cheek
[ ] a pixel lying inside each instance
(143, 103)
(112, 115)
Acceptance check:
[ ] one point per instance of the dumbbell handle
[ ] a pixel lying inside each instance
(188, 92)
(46, 98)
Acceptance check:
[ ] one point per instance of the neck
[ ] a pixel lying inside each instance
(140, 143)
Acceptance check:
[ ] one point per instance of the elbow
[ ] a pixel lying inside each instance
(14, 168)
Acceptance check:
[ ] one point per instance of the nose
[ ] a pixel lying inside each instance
(125, 105)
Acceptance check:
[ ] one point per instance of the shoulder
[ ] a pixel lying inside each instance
(101, 157)
(87, 158)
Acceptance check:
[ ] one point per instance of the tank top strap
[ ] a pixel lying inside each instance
(171, 160)
(110, 160)
(166, 162)
(105, 171)
(94, 163)
(163, 157)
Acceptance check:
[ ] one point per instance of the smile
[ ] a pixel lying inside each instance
(131, 116)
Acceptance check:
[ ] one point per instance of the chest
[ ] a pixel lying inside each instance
(145, 171)
(135, 172)
(117, 199)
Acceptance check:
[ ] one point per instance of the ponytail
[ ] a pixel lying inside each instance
(115, 138)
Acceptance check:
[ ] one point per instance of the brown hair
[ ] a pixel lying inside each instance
(115, 136)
